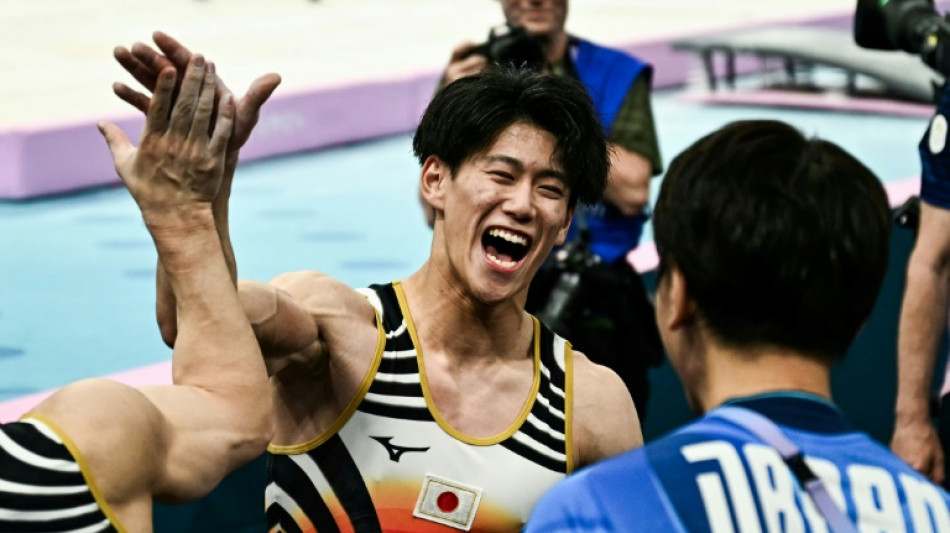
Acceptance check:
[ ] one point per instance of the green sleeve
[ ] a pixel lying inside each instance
(633, 127)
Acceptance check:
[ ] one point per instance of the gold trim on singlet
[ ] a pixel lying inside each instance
(295, 449)
(475, 441)
(569, 404)
(83, 468)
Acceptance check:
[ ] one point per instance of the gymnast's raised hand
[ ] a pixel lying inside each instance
(180, 159)
(95, 454)
(145, 63)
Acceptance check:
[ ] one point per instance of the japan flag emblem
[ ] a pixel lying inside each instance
(448, 502)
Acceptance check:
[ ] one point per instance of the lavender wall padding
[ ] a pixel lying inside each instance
(61, 158)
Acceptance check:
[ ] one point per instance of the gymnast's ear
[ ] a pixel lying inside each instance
(435, 177)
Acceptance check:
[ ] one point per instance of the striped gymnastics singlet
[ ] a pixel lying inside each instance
(392, 464)
(42, 484)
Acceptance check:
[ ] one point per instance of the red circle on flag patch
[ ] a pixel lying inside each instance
(447, 502)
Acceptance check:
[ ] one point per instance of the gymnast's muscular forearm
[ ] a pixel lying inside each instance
(285, 330)
(165, 303)
(212, 320)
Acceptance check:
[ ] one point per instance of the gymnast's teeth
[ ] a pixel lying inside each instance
(510, 237)
(506, 264)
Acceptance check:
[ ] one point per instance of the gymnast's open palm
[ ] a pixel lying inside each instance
(144, 64)
(180, 159)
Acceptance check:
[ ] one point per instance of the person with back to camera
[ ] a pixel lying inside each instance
(94, 455)
(436, 403)
(609, 316)
(923, 319)
(773, 248)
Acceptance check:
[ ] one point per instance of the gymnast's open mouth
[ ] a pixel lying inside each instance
(505, 248)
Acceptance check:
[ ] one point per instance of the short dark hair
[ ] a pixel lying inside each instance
(466, 117)
(782, 240)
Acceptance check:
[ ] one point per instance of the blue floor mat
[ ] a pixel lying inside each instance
(77, 271)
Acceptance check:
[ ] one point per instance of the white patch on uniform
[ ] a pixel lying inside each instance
(447, 502)
(938, 134)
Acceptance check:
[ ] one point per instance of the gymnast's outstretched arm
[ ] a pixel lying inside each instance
(144, 63)
(176, 442)
(286, 329)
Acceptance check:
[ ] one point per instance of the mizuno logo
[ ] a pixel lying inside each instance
(396, 451)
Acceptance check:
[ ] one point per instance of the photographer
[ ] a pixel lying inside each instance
(914, 26)
(924, 311)
(608, 316)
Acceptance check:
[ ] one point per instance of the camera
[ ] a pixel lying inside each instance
(512, 46)
(913, 26)
(567, 266)
(908, 214)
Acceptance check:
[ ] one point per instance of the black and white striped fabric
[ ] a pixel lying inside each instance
(42, 488)
(396, 391)
(367, 476)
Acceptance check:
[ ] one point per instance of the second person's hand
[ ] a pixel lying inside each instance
(177, 163)
(145, 63)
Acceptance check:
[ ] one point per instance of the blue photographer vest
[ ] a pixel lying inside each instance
(608, 75)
